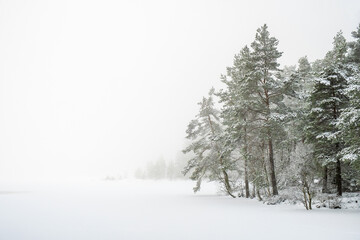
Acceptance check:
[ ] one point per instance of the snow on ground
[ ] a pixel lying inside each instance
(131, 209)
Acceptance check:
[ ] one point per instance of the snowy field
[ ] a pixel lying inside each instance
(158, 210)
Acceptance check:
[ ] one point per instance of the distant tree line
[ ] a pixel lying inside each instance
(298, 126)
(161, 169)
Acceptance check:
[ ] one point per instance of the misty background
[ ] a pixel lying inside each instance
(96, 88)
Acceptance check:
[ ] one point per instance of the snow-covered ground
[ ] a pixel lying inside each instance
(158, 210)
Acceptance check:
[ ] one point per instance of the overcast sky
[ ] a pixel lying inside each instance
(94, 88)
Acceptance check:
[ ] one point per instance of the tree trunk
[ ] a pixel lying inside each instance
(254, 191)
(310, 198)
(266, 175)
(227, 184)
(247, 191)
(305, 198)
(270, 144)
(267, 181)
(325, 179)
(272, 168)
(258, 194)
(338, 178)
(226, 176)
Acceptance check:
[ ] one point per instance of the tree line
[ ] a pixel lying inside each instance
(162, 169)
(276, 128)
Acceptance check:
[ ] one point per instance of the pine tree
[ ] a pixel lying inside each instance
(236, 101)
(210, 159)
(253, 109)
(349, 120)
(294, 153)
(327, 101)
(269, 90)
(354, 55)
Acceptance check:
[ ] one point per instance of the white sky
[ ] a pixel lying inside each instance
(91, 88)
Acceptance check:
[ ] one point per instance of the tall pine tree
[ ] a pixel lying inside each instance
(269, 91)
(349, 121)
(237, 100)
(327, 101)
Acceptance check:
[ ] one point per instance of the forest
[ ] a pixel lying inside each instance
(277, 134)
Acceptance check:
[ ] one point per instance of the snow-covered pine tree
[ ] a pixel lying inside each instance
(354, 55)
(210, 159)
(327, 101)
(349, 120)
(269, 90)
(299, 170)
(237, 100)
(349, 125)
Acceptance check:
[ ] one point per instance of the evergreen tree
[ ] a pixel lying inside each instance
(307, 118)
(354, 46)
(292, 150)
(269, 91)
(304, 68)
(237, 101)
(349, 121)
(209, 159)
(327, 101)
(253, 109)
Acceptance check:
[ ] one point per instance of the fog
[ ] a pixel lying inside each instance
(96, 88)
